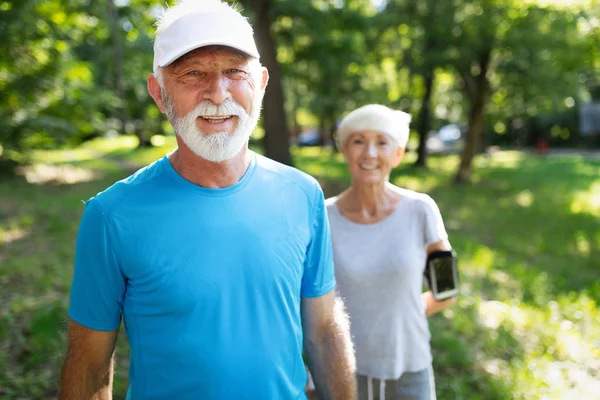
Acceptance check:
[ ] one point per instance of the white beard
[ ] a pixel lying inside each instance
(217, 146)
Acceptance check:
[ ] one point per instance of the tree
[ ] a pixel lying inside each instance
(328, 55)
(276, 139)
(521, 49)
(427, 33)
(46, 94)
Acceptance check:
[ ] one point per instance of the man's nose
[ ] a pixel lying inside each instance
(217, 90)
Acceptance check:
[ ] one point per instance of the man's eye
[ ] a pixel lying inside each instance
(383, 143)
(235, 71)
(357, 141)
(192, 73)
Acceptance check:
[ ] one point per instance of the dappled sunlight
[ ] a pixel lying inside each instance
(12, 234)
(105, 145)
(63, 174)
(562, 3)
(479, 259)
(87, 151)
(446, 165)
(15, 228)
(524, 198)
(62, 155)
(163, 141)
(419, 184)
(583, 244)
(322, 172)
(142, 157)
(501, 159)
(493, 313)
(309, 151)
(326, 165)
(557, 355)
(587, 201)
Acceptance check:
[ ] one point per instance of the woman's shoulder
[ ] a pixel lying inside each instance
(331, 201)
(331, 204)
(410, 194)
(418, 199)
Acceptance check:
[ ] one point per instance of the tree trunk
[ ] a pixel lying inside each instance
(143, 140)
(276, 140)
(478, 88)
(424, 119)
(297, 128)
(475, 130)
(119, 73)
(429, 47)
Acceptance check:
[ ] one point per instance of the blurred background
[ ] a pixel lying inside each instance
(505, 99)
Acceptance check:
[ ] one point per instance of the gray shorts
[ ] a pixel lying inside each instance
(410, 386)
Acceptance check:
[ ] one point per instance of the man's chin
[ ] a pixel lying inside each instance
(216, 155)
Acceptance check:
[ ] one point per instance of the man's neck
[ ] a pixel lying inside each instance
(210, 174)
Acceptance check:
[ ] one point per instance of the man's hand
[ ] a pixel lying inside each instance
(329, 348)
(88, 369)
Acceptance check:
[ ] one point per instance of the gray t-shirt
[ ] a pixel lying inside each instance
(379, 272)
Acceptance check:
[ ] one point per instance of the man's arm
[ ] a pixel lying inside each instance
(88, 370)
(328, 347)
(432, 305)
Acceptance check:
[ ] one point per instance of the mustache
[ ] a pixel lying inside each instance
(207, 108)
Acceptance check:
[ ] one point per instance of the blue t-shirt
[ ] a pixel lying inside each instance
(207, 281)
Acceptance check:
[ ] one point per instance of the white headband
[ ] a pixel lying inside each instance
(375, 117)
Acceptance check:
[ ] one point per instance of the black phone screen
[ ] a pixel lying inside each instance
(444, 273)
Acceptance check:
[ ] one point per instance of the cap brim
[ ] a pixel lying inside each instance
(194, 31)
(172, 58)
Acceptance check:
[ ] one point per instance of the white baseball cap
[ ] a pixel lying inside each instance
(191, 31)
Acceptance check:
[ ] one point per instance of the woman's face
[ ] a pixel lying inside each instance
(370, 156)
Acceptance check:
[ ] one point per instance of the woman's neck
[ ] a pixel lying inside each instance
(368, 203)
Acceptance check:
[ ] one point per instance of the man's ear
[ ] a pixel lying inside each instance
(398, 156)
(155, 92)
(265, 78)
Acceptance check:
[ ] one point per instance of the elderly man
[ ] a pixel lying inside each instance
(218, 260)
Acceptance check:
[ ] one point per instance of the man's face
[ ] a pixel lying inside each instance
(212, 97)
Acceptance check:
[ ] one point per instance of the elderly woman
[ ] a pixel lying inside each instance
(382, 235)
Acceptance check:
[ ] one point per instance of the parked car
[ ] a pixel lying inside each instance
(308, 138)
(449, 139)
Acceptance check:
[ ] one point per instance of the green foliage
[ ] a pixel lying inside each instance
(74, 70)
(57, 78)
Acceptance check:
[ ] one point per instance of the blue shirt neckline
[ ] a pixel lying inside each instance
(211, 192)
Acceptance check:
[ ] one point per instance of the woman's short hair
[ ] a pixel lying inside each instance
(375, 117)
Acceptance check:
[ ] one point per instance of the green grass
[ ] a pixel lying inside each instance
(527, 233)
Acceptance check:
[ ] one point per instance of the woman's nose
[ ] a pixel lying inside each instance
(371, 150)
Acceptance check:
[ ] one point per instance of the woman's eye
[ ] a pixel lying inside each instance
(357, 141)
(383, 143)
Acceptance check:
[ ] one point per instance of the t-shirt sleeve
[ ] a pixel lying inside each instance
(318, 278)
(434, 229)
(98, 286)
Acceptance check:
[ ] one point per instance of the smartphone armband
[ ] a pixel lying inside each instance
(441, 274)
